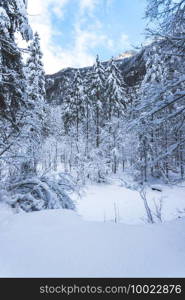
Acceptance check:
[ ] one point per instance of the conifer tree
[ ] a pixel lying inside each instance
(74, 104)
(34, 127)
(13, 96)
(115, 92)
(115, 107)
(97, 92)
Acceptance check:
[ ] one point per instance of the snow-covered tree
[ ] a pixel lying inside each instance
(13, 96)
(74, 104)
(96, 94)
(170, 24)
(35, 72)
(157, 114)
(34, 125)
(23, 118)
(115, 93)
(114, 107)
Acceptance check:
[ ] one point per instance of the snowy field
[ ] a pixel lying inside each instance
(58, 243)
(113, 202)
(62, 243)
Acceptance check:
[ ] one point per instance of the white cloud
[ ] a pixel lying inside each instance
(79, 55)
(84, 39)
(40, 13)
(86, 35)
(39, 7)
(87, 6)
(124, 41)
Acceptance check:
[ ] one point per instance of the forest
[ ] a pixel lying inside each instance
(102, 126)
(121, 120)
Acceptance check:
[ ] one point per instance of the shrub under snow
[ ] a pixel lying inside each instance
(33, 194)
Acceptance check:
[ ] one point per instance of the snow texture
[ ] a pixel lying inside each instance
(58, 243)
(105, 202)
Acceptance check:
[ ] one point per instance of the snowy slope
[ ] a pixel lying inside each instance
(59, 243)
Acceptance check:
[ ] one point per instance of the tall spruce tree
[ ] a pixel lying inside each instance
(74, 104)
(34, 127)
(114, 107)
(115, 93)
(13, 96)
(97, 93)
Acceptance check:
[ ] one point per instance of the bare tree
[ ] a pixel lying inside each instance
(147, 208)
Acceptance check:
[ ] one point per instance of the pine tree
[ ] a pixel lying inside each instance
(74, 104)
(115, 107)
(150, 98)
(35, 72)
(88, 126)
(115, 92)
(96, 94)
(34, 127)
(13, 98)
(170, 32)
(159, 115)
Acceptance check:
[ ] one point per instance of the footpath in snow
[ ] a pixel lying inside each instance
(59, 243)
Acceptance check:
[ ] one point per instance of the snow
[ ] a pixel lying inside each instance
(4, 19)
(58, 243)
(102, 202)
(5, 213)
(107, 237)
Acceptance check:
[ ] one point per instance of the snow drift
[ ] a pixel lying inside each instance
(58, 243)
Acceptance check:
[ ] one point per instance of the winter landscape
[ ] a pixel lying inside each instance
(92, 150)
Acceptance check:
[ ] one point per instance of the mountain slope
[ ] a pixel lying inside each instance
(132, 69)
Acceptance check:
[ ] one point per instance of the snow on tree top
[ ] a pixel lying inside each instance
(4, 19)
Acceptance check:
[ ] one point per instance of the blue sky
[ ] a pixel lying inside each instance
(74, 31)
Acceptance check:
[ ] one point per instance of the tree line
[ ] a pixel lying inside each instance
(103, 127)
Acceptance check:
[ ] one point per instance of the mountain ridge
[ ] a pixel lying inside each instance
(132, 69)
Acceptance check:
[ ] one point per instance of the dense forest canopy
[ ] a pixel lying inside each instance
(117, 117)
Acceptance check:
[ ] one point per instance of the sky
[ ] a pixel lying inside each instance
(73, 32)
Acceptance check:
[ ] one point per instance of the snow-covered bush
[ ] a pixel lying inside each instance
(46, 192)
(94, 168)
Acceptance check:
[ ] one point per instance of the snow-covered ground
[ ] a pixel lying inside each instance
(63, 243)
(58, 243)
(105, 202)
